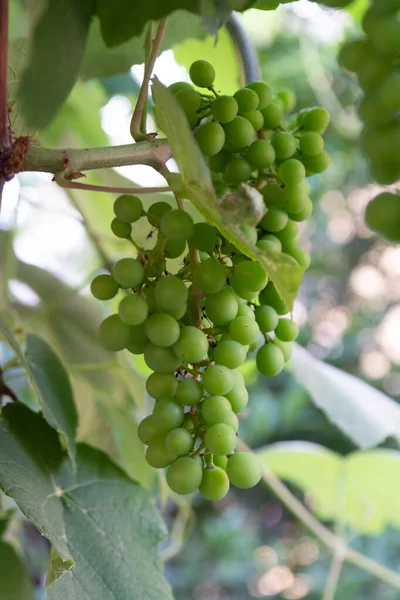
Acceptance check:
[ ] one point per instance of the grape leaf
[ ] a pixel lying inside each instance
(56, 50)
(50, 383)
(364, 414)
(15, 583)
(104, 527)
(361, 488)
(271, 4)
(282, 270)
(18, 58)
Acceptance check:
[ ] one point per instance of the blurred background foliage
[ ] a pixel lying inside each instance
(246, 546)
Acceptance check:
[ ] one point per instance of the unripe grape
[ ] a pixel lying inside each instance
(161, 385)
(285, 347)
(178, 86)
(176, 225)
(156, 211)
(311, 143)
(244, 470)
(214, 484)
(215, 408)
(220, 439)
(184, 475)
(273, 115)
(211, 138)
(239, 134)
(204, 237)
(289, 234)
(160, 360)
(220, 461)
(301, 256)
(250, 232)
(128, 208)
(317, 163)
(275, 219)
(148, 430)
(383, 215)
(224, 109)
(218, 162)
(121, 229)
(294, 197)
(255, 118)
(353, 54)
(175, 248)
(202, 73)
(249, 275)
(128, 273)
(192, 345)
(244, 330)
(133, 310)
(157, 454)
(269, 242)
(179, 441)
(170, 293)
(114, 335)
(287, 330)
(270, 360)
(316, 119)
(222, 307)
(238, 398)
(263, 92)
(288, 98)
(104, 287)
(238, 170)
(267, 318)
(285, 144)
(270, 297)
(292, 171)
(261, 154)
(245, 310)
(217, 380)
(247, 100)
(231, 354)
(189, 392)
(162, 329)
(209, 276)
(189, 99)
(168, 414)
(137, 339)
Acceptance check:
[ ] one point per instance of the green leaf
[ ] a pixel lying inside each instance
(364, 414)
(50, 383)
(18, 58)
(271, 4)
(361, 489)
(96, 516)
(282, 269)
(57, 47)
(15, 583)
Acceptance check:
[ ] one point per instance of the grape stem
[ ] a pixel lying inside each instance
(333, 542)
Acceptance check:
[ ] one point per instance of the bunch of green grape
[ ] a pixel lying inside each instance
(375, 58)
(196, 327)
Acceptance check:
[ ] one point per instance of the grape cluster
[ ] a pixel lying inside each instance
(196, 327)
(375, 58)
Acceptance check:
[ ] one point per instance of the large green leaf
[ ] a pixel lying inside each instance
(56, 50)
(362, 412)
(18, 58)
(99, 521)
(360, 489)
(282, 269)
(15, 583)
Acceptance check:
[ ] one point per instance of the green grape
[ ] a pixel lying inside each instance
(224, 109)
(245, 310)
(204, 237)
(238, 378)
(209, 276)
(128, 208)
(157, 454)
(202, 73)
(292, 171)
(250, 232)
(239, 134)
(114, 335)
(238, 398)
(287, 330)
(179, 441)
(244, 330)
(192, 345)
(301, 256)
(270, 297)
(288, 98)
(168, 414)
(353, 54)
(263, 92)
(214, 484)
(285, 347)
(244, 470)
(389, 93)
(238, 170)
(251, 276)
(162, 330)
(372, 72)
(149, 295)
(189, 99)
(215, 408)
(385, 36)
(178, 86)
(104, 287)
(128, 273)
(218, 162)
(161, 385)
(295, 197)
(272, 193)
(156, 211)
(273, 115)
(120, 228)
(275, 219)
(148, 431)
(285, 144)
(289, 234)
(170, 293)
(247, 100)
(175, 248)
(318, 163)
(383, 215)
(261, 154)
(222, 307)
(189, 392)
(217, 380)
(220, 461)
(255, 118)
(220, 439)
(269, 242)
(160, 360)
(184, 475)
(231, 354)
(137, 339)
(133, 310)
(270, 360)
(211, 138)
(316, 119)
(311, 143)
(241, 292)
(266, 318)
(176, 225)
